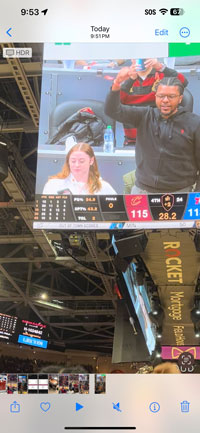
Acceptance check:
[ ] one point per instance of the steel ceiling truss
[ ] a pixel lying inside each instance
(24, 86)
(70, 311)
(19, 187)
(90, 242)
(32, 69)
(80, 310)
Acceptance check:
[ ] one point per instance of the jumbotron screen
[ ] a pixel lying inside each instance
(137, 300)
(16, 330)
(8, 326)
(32, 334)
(119, 139)
(140, 301)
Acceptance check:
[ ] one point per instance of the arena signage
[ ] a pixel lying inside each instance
(171, 352)
(173, 262)
(178, 333)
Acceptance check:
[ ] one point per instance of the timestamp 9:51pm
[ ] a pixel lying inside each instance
(100, 36)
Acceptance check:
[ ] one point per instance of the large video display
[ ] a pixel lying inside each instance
(139, 298)
(32, 334)
(119, 144)
(16, 330)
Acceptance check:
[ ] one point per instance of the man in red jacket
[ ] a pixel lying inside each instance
(139, 89)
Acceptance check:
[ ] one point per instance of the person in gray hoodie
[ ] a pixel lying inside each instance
(168, 139)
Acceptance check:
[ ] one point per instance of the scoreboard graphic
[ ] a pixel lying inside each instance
(117, 211)
(16, 330)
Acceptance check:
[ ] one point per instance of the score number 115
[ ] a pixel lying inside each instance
(140, 213)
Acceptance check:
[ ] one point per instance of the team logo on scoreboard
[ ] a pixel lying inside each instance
(136, 200)
(167, 201)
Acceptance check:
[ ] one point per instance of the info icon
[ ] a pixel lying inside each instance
(154, 407)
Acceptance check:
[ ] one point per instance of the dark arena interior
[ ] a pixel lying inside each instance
(110, 301)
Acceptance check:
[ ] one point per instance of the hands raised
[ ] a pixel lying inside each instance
(124, 74)
(133, 71)
(153, 63)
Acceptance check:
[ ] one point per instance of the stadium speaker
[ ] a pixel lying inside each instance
(3, 161)
(121, 264)
(197, 241)
(132, 245)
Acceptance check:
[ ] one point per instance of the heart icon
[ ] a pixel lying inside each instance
(45, 406)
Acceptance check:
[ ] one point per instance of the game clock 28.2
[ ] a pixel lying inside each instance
(167, 216)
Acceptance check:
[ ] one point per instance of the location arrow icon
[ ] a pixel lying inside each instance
(44, 11)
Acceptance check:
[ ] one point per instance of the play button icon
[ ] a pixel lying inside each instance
(79, 407)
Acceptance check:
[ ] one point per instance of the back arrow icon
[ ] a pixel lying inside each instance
(8, 32)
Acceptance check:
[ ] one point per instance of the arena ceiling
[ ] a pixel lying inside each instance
(36, 277)
(72, 290)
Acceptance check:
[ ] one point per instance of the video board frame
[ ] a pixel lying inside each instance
(66, 209)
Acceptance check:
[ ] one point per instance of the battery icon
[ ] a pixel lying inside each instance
(176, 11)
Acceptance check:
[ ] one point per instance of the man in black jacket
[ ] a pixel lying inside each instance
(139, 89)
(168, 139)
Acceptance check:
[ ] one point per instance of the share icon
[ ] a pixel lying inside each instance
(116, 406)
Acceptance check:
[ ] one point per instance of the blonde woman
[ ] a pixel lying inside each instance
(79, 175)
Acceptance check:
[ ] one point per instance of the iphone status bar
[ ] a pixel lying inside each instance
(92, 21)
